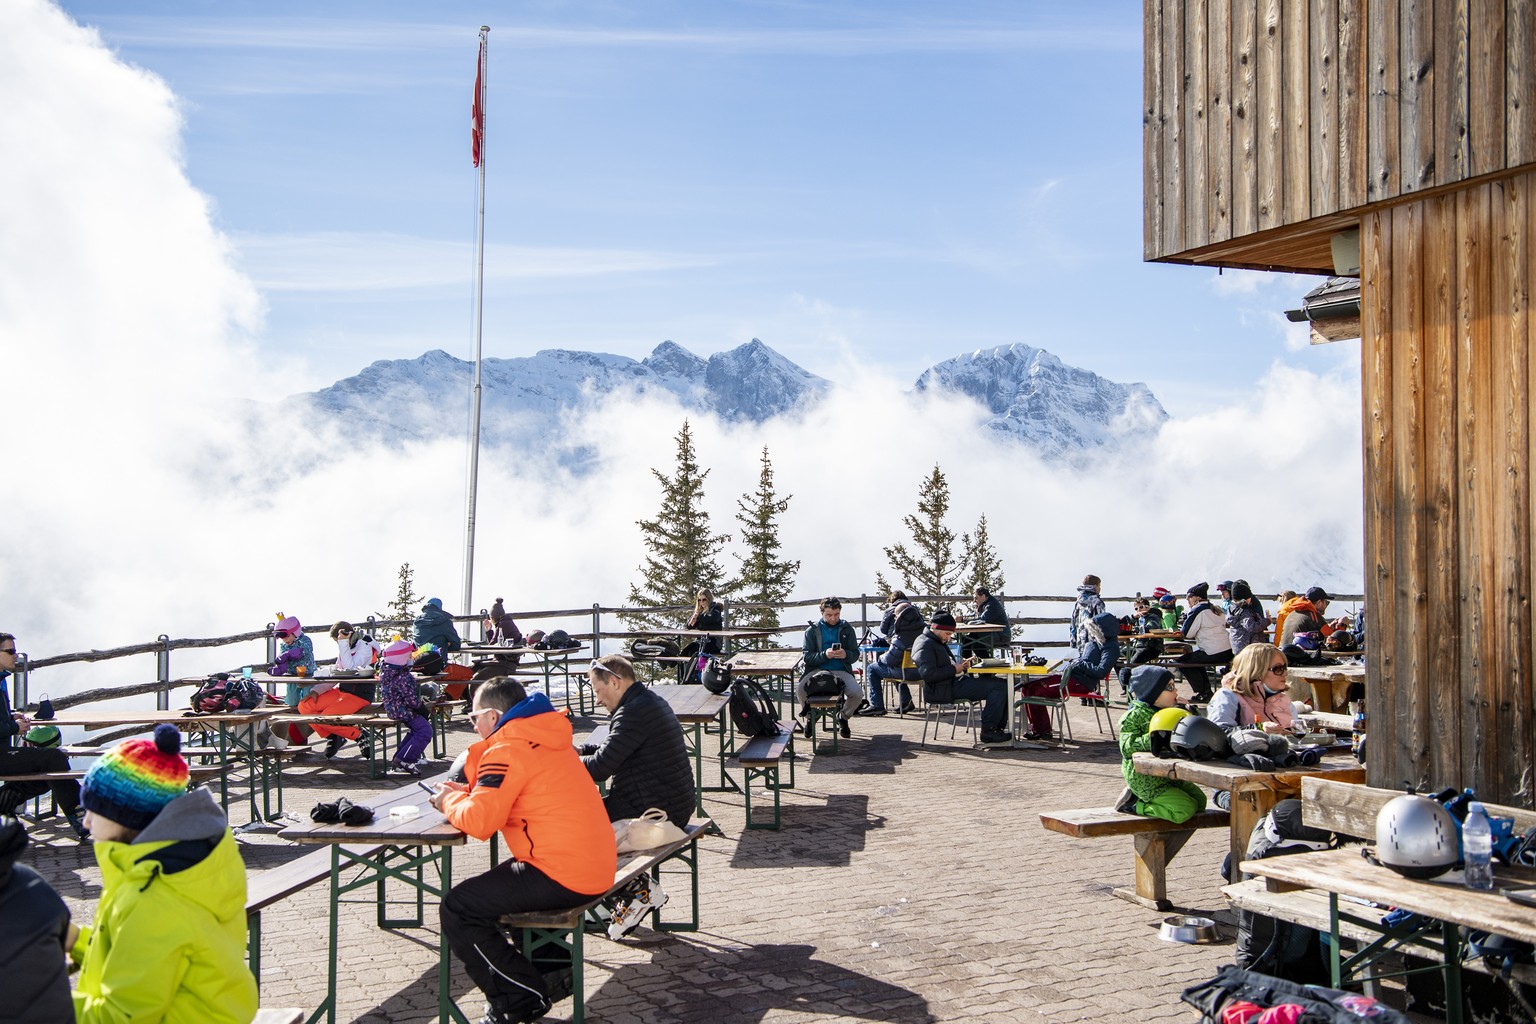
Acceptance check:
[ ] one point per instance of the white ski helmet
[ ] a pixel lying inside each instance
(1416, 836)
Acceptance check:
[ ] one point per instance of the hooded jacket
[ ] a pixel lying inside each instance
(32, 939)
(903, 624)
(1089, 604)
(815, 646)
(1207, 630)
(1101, 648)
(646, 757)
(169, 939)
(1307, 620)
(435, 626)
(528, 783)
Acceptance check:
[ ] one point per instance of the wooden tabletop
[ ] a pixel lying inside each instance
(1353, 671)
(692, 704)
(662, 634)
(428, 827)
(1346, 872)
(267, 678)
(979, 627)
(766, 663)
(1012, 670)
(1221, 775)
(181, 718)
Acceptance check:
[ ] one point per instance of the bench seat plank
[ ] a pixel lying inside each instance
(1091, 822)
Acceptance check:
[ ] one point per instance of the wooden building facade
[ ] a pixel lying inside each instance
(1272, 126)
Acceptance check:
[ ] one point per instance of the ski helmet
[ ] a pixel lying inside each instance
(1198, 739)
(1166, 719)
(1416, 836)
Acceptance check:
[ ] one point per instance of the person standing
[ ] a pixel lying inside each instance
(830, 645)
(1246, 622)
(525, 781)
(402, 702)
(1089, 604)
(646, 759)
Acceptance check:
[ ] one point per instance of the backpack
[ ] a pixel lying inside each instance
(221, 692)
(822, 683)
(752, 710)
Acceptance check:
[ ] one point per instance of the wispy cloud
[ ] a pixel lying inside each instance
(369, 261)
(338, 35)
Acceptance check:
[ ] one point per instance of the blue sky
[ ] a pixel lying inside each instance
(850, 182)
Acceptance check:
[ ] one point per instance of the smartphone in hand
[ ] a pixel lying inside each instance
(431, 790)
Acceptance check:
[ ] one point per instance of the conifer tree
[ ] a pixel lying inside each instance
(762, 577)
(406, 599)
(930, 565)
(682, 554)
(983, 566)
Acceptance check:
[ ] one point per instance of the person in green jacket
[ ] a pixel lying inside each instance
(1151, 688)
(168, 943)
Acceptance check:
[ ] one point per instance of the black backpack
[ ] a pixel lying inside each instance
(822, 683)
(752, 710)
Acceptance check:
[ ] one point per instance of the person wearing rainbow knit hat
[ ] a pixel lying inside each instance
(168, 941)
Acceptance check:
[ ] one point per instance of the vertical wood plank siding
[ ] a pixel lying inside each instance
(1447, 370)
(1262, 114)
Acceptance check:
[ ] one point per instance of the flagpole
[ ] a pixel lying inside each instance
(478, 143)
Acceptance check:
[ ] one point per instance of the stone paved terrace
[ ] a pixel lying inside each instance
(907, 885)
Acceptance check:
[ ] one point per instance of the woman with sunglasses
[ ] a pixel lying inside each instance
(1253, 693)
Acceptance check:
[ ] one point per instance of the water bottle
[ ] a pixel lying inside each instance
(1477, 847)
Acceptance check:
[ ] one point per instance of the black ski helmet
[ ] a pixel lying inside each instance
(1199, 739)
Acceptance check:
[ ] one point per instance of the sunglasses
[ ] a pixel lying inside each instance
(8, 650)
(1278, 670)
(343, 632)
(595, 667)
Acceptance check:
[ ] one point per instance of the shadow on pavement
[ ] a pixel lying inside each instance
(825, 836)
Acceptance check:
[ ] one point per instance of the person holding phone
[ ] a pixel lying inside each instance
(830, 646)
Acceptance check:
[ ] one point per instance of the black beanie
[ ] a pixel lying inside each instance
(1147, 681)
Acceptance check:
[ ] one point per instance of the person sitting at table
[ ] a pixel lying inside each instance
(525, 780)
(357, 654)
(1079, 677)
(1206, 631)
(945, 682)
(1302, 615)
(402, 702)
(435, 626)
(169, 941)
(500, 628)
(295, 657)
(1147, 618)
(1246, 622)
(1089, 604)
(989, 610)
(647, 760)
(32, 943)
(830, 645)
(901, 624)
(708, 614)
(28, 759)
(1253, 692)
(326, 698)
(1169, 606)
(1152, 688)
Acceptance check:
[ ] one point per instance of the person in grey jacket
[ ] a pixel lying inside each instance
(944, 681)
(644, 754)
(831, 646)
(33, 954)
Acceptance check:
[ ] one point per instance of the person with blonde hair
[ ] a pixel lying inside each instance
(1253, 692)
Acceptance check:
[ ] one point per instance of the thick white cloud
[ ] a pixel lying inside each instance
(144, 496)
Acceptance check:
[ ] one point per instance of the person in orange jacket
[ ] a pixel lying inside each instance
(527, 782)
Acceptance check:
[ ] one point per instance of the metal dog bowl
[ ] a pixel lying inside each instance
(1195, 930)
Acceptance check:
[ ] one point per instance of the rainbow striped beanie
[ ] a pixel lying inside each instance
(130, 783)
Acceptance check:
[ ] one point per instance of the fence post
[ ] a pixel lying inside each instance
(725, 613)
(863, 611)
(163, 673)
(484, 615)
(271, 643)
(597, 629)
(19, 680)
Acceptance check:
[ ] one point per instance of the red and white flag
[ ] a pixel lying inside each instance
(477, 109)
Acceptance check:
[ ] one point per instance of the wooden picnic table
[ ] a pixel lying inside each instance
(777, 662)
(417, 851)
(235, 733)
(1344, 872)
(1327, 685)
(695, 708)
(1254, 794)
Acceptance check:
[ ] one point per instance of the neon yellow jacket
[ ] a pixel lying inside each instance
(168, 943)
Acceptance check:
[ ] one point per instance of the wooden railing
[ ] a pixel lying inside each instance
(163, 646)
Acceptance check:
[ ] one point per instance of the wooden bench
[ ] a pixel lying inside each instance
(1157, 843)
(278, 883)
(564, 929)
(822, 709)
(759, 758)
